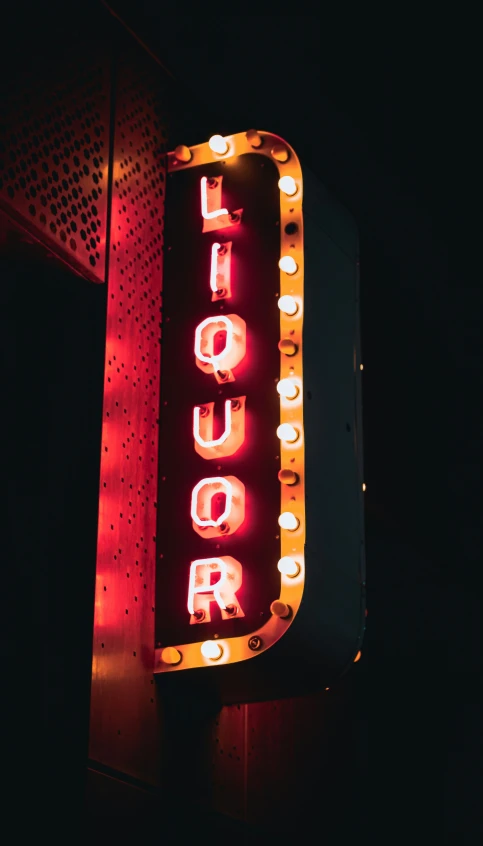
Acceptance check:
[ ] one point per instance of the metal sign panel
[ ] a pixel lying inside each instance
(251, 414)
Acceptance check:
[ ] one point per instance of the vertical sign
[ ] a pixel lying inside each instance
(231, 511)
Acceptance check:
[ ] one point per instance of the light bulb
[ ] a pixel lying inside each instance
(254, 138)
(288, 567)
(288, 305)
(287, 346)
(280, 153)
(183, 153)
(212, 650)
(287, 432)
(288, 389)
(288, 477)
(288, 521)
(287, 185)
(358, 657)
(218, 144)
(288, 265)
(170, 655)
(281, 609)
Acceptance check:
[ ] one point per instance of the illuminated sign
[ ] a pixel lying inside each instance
(231, 534)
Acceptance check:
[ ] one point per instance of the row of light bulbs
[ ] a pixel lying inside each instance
(287, 566)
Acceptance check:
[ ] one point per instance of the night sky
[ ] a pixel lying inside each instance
(383, 111)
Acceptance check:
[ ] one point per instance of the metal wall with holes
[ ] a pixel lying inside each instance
(124, 723)
(54, 153)
(82, 174)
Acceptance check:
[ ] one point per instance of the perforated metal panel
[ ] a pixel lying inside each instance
(54, 153)
(123, 713)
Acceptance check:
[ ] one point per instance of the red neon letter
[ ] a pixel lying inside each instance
(214, 216)
(234, 428)
(220, 362)
(201, 591)
(220, 272)
(218, 506)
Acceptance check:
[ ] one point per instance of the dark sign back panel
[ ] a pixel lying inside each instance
(250, 184)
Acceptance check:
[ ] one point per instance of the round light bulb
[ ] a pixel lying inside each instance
(288, 265)
(287, 432)
(288, 389)
(288, 521)
(288, 477)
(212, 650)
(287, 185)
(170, 655)
(288, 305)
(280, 153)
(287, 346)
(254, 138)
(281, 609)
(218, 144)
(288, 567)
(183, 153)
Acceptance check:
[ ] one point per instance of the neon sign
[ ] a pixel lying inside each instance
(231, 510)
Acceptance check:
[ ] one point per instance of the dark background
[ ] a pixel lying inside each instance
(383, 110)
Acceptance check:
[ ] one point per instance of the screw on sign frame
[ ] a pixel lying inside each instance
(218, 502)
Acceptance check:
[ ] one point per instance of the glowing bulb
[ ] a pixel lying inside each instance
(212, 650)
(288, 265)
(288, 521)
(288, 567)
(288, 389)
(218, 144)
(287, 432)
(361, 367)
(287, 185)
(363, 486)
(288, 305)
(358, 657)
